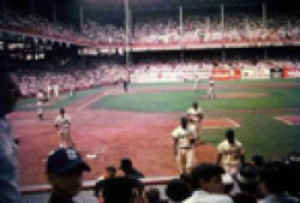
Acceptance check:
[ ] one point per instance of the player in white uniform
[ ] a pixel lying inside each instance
(195, 115)
(184, 143)
(41, 98)
(211, 90)
(56, 90)
(63, 125)
(49, 90)
(196, 82)
(230, 153)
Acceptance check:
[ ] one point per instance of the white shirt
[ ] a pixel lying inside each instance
(63, 123)
(184, 136)
(201, 196)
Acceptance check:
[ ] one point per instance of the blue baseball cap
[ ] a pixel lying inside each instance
(63, 160)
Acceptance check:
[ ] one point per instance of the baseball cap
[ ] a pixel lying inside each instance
(63, 160)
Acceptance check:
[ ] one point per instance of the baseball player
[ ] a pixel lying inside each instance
(184, 142)
(195, 115)
(49, 90)
(63, 125)
(196, 82)
(230, 153)
(56, 90)
(41, 98)
(211, 90)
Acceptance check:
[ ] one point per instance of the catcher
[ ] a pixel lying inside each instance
(195, 116)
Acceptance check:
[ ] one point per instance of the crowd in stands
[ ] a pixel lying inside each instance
(237, 28)
(79, 76)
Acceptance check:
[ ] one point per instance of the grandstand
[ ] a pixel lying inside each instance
(250, 48)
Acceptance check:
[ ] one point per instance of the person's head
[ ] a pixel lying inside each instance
(65, 168)
(258, 160)
(273, 178)
(121, 189)
(195, 105)
(152, 195)
(9, 93)
(62, 111)
(110, 172)
(184, 122)
(230, 136)
(208, 177)
(126, 164)
(248, 179)
(178, 190)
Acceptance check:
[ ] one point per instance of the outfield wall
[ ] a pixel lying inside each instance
(217, 74)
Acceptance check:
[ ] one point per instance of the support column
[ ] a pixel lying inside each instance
(181, 20)
(222, 19)
(264, 15)
(54, 12)
(81, 17)
(265, 53)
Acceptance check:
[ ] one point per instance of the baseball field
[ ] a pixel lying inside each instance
(108, 124)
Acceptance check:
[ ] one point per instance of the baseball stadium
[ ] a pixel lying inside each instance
(127, 71)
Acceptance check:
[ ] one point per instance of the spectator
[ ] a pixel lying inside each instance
(128, 169)
(65, 168)
(110, 172)
(121, 189)
(207, 185)
(230, 153)
(248, 181)
(273, 184)
(152, 195)
(177, 190)
(9, 169)
(258, 161)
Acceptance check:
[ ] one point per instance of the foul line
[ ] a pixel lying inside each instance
(284, 120)
(232, 122)
(107, 92)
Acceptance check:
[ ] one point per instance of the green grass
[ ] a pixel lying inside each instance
(65, 100)
(259, 132)
(180, 100)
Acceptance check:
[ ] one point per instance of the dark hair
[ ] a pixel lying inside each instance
(9, 94)
(126, 163)
(244, 198)
(195, 105)
(258, 160)
(274, 176)
(184, 122)
(112, 170)
(248, 178)
(62, 111)
(153, 195)
(205, 171)
(230, 135)
(178, 190)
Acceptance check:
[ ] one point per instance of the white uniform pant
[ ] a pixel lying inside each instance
(231, 169)
(65, 139)
(185, 158)
(211, 93)
(40, 108)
